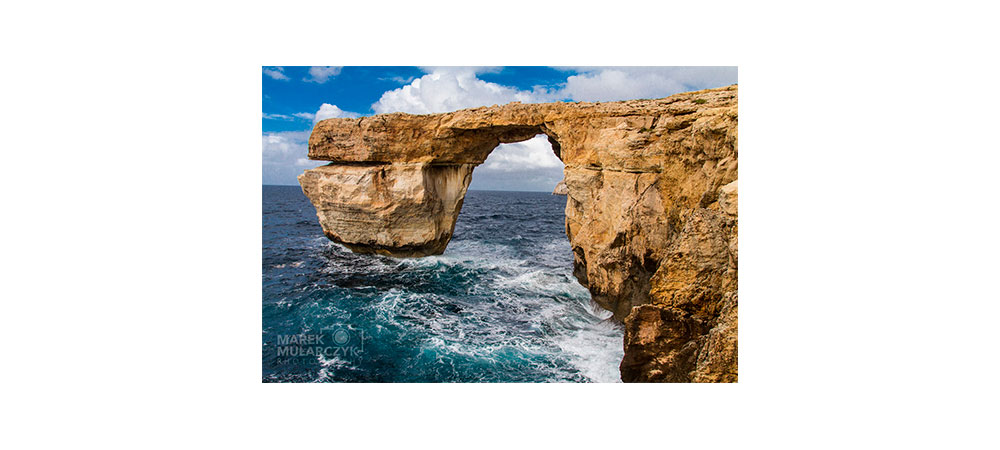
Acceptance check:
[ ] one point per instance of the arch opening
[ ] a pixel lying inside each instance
(532, 164)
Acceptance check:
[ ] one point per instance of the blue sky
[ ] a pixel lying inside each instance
(295, 97)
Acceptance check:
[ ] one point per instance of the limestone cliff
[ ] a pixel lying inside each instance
(651, 209)
(561, 189)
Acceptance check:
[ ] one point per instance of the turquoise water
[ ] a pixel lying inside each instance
(500, 305)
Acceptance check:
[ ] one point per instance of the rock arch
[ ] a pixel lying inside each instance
(397, 181)
(644, 180)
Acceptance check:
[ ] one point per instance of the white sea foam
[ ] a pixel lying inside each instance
(595, 351)
(470, 255)
(333, 363)
(546, 283)
(480, 351)
(388, 304)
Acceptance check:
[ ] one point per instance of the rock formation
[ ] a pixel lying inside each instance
(561, 189)
(651, 208)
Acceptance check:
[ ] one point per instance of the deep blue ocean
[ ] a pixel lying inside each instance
(500, 305)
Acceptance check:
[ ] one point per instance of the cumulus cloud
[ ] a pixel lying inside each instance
(278, 73)
(328, 111)
(281, 145)
(463, 69)
(609, 85)
(627, 83)
(535, 153)
(284, 156)
(523, 166)
(448, 89)
(322, 74)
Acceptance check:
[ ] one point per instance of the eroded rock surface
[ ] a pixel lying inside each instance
(390, 209)
(560, 189)
(650, 211)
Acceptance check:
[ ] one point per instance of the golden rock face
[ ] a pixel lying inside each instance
(403, 210)
(651, 207)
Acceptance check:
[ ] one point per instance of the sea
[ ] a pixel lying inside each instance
(500, 305)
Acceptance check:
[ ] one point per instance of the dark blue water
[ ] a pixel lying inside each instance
(500, 305)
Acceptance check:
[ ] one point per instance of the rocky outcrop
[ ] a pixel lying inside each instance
(391, 209)
(561, 189)
(650, 210)
(687, 331)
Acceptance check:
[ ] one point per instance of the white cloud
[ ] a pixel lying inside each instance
(463, 69)
(294, 116)
(321, 74)
(284, 145)
(535, 153)
(399, 79)
(627, 83)
(523, 166)
(275, 116)
(278, 73)
(284, 156)
(328, 111)
(448, 89)
(608, 85)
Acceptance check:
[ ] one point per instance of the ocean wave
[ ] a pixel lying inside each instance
(544, 283)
